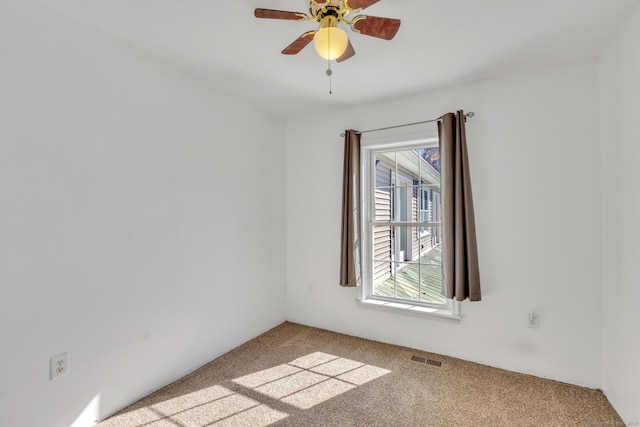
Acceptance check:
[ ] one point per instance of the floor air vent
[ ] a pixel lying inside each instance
(418, 359)
(427, 361)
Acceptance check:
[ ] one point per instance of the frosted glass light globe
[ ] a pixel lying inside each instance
(331, 42)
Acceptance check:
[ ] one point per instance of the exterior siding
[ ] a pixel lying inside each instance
(415, 231)
(382, 235)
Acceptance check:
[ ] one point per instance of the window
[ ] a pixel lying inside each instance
(402, 262)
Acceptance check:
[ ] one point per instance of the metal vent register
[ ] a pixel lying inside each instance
(427, 361)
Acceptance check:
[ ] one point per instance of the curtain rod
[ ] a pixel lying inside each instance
(469, 115)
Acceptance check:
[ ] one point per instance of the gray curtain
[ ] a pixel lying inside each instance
(350, 251)
(461, 275)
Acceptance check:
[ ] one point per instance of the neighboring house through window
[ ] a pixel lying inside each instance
(402, 262)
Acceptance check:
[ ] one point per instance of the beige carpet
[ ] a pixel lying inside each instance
(295, 375)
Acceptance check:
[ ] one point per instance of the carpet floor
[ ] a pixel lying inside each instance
(295, 375)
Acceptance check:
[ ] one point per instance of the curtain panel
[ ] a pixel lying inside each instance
(351, 251)
(461, 274)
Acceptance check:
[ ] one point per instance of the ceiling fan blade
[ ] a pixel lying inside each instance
(280, 14)
(359, 4)
(299, 44)
(347, 53)
(383, 28)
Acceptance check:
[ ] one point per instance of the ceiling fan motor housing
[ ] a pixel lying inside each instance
(335, 8)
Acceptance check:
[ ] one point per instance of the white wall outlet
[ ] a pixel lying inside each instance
(59, 365)
(310, 288)
(532, 320)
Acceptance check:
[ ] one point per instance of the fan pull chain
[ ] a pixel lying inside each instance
(329, 74)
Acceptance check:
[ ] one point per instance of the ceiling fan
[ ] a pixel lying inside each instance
(331, 41)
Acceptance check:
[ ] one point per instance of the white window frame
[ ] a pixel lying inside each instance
(365, 297)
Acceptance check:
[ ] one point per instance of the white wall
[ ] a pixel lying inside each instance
(620, 136)
(140, 212)
(535, 164)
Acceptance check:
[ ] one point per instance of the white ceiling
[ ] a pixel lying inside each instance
(440, 43)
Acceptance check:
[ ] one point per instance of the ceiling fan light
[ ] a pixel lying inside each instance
(331, 42)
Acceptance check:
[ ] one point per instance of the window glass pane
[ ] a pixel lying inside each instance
(408, 281)
(431, 266)
(425, 204)
(383, 283)
(382, 204)
(382, 244)
(431, 156)
(436, 206)
(386, 285)
(407, 167)
(430, 237)
(406, 243)
(431, 279)
(383, 167)
(429, 203)
(402, 203)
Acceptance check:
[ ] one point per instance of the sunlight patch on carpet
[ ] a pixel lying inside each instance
(312, 379)
(266, 376)
(190, 400)
(215, 411)
(314, 395)
(337, 367)
(313, 359)
(291, 384)
(257, 416)
(363, 375)
(210, 406)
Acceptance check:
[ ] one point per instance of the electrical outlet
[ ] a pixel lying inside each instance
(533, 320)
(59, 365)
(310, 287)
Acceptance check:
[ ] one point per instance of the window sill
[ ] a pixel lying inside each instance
(411, 310)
